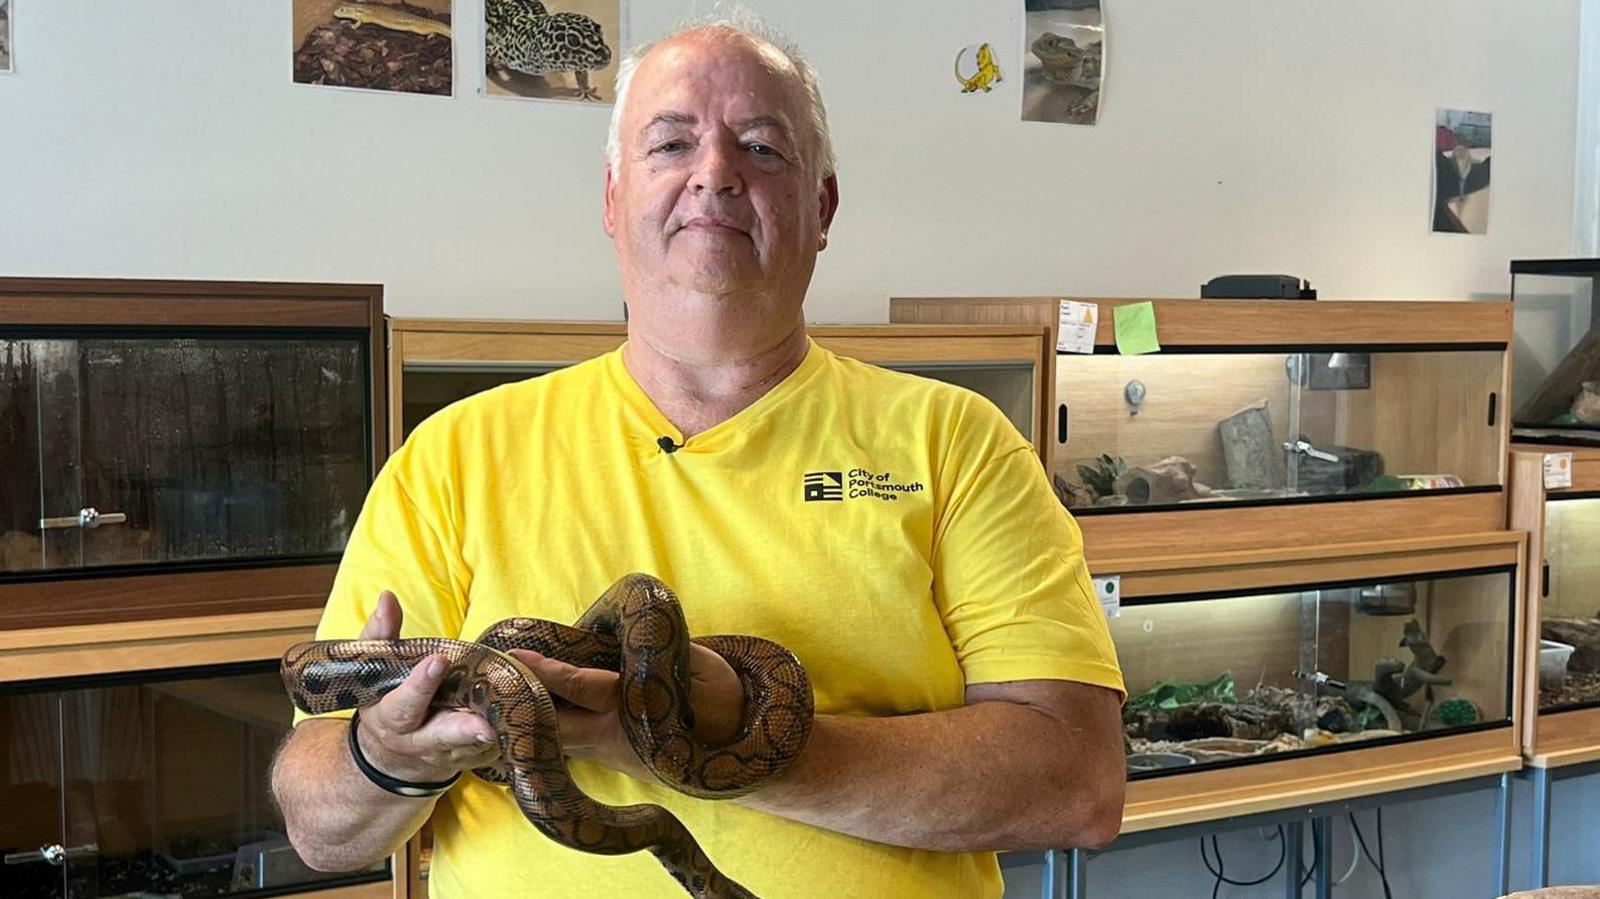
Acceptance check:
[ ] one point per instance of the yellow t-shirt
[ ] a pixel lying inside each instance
(897, 534)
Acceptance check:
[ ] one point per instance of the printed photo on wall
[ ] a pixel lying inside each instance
(383, 46)
(1461, 172)
(1063, 61)
(555, 50)
(5, 35)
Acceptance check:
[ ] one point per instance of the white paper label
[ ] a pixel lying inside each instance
(1078, 322)
(1109, 589)
(1557, 470)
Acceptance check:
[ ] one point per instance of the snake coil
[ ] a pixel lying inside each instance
(636, 628)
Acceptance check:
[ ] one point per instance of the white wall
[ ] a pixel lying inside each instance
(163, 138)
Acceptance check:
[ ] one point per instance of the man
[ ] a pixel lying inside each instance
(966, 688)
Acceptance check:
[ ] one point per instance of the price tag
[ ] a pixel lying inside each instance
(1557, 470)
(1077, 324)
(1109, 590)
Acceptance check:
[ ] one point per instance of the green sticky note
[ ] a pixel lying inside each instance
(1136, 329)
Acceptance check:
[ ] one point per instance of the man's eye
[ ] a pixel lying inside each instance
(671, 146)
(763, 149)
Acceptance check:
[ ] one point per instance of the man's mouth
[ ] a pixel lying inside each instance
(711, 224)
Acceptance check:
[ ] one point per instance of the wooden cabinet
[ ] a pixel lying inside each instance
(1266, 423)
(178, 449)
(1266, 679)
(1561, 647)
(434, 362)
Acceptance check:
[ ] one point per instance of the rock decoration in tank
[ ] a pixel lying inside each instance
(1176, 723)
(1254, 460)
(1170, 480)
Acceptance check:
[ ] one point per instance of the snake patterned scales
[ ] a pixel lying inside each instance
(636, 628)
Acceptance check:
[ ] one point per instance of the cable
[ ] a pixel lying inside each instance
(1360, 840)
(1217, 872)
(1316, 861)
(1355, 858)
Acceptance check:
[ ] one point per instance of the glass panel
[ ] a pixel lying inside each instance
(425, 389)
(1167, 429)
(1556, 352)
(30, 769)
(1569, 654)
(428, 388)
(206, 449)
(1249, 676)
(31, 370)
(1008, 386)
(168, 779)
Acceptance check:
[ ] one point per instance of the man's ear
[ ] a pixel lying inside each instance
(611, 206)
(829, 199)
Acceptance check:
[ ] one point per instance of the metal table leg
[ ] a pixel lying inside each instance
(1541, 826)
(1077, 875)
(1047, 883)
(1293, 835)
(1322, 832)
(1502, 814)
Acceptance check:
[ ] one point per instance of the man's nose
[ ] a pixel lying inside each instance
(716, 169)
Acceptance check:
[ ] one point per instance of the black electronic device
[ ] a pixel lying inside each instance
(1257, 287)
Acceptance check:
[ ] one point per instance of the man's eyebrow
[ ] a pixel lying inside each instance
(669, 118)
(763, 121)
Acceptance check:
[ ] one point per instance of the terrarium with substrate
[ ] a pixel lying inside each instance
(1569, 630)
(1238, 677)
(149, 784)
(1555, 376)
(1184, 427)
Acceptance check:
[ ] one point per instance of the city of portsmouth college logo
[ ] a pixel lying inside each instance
(857, 483)
(824, 486)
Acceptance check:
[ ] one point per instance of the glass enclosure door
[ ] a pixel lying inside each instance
(148, 450)
(1173, 428)
(1240, 678)
(1555, 374)
(31, 837)
(1569, 646)
(159, 788)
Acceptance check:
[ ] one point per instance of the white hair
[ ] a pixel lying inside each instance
(739, 20)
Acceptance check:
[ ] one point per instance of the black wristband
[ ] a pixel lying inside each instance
(406, 788)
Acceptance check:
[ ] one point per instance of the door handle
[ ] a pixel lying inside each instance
(86, 518)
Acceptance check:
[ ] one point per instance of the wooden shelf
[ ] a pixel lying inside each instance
(1566, 738)
(1270, 785)
(138, 645)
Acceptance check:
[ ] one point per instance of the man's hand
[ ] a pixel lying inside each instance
(401, 735)
(591, 729)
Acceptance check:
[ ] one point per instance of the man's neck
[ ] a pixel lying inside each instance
(699, 377)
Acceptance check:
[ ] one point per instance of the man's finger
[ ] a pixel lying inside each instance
(590, 688)
(385, 621)
(456, 732)
(406, 706)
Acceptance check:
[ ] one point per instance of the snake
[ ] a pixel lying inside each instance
(637, 628)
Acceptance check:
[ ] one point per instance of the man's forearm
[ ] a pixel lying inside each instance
(987, 776)
(337, 819)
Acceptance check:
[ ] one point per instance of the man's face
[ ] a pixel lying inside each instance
(716, 189)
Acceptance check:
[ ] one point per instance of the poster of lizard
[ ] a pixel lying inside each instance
(553, 50)
(1063, 61)
(385, 45)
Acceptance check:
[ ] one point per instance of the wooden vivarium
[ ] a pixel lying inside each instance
(1271, 678)
(1561, 650)
(434, 362)
(1271, 423)
(178, 449)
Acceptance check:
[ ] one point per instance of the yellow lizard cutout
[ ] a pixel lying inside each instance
(986, 77)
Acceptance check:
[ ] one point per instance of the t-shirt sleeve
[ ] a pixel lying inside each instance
(402, 542)
(1009, 573)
